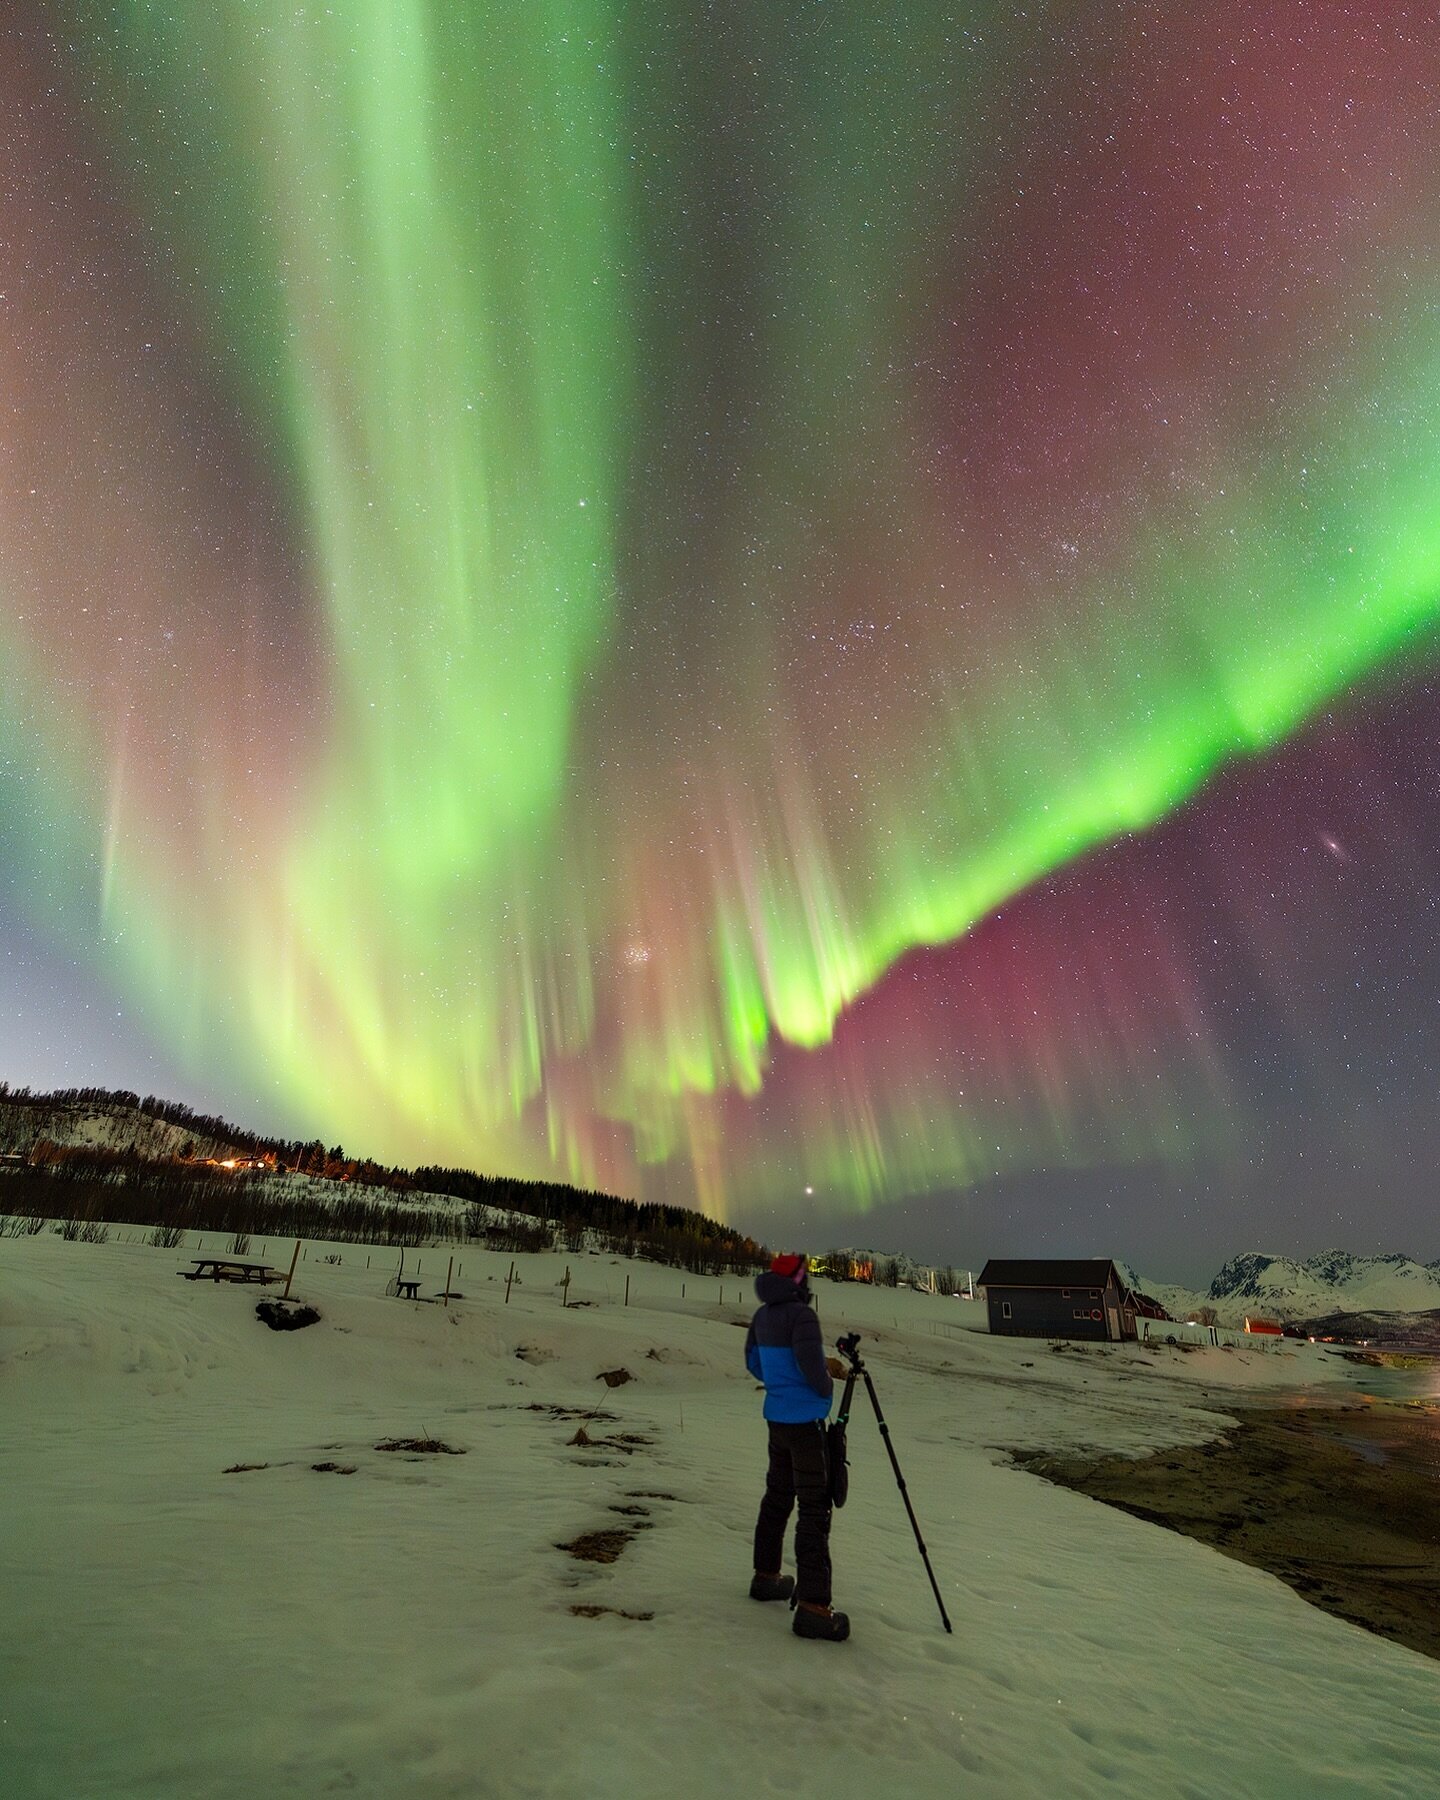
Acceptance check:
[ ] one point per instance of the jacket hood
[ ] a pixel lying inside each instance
(775, 1290)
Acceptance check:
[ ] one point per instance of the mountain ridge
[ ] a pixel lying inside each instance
(1288, 1288)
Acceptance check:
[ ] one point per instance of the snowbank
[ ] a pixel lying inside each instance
(173, 1630)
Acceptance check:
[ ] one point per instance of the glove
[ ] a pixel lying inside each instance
(836, 1367)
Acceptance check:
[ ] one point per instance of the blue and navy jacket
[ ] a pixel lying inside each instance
(784, 1349)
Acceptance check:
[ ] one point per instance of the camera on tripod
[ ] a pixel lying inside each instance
(849, 1348)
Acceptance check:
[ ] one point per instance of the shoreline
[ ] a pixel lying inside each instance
(1338, 1498)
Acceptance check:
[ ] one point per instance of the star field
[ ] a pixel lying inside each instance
(801, 608)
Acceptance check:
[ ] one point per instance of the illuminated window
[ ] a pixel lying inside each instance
(1004, 1309)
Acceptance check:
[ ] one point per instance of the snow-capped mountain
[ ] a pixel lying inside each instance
(1333, 1282)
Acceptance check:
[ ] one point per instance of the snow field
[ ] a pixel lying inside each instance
(174, 1631)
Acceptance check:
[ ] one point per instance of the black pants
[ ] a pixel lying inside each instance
(798, 1471)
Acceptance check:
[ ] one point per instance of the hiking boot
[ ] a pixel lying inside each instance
(772, 1587)
(828, 1627)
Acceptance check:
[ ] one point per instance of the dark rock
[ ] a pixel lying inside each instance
(286, 1315)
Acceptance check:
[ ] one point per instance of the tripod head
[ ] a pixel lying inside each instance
(849, 1348)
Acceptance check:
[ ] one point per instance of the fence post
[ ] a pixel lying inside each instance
(291, 1276)
(508, 1279)
(565, 1288)
(627, 1290)
(450, 1271)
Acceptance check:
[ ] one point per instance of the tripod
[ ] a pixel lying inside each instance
(849, 1348)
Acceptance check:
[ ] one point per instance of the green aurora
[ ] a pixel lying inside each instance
(710, 548)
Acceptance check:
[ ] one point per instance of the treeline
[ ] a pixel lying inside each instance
(123, 1189)
(172, 1112)
(666, 1234)
(881, 1271)
(571, 1217)
(199, 1200)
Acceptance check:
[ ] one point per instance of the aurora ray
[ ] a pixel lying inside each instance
(544, 551)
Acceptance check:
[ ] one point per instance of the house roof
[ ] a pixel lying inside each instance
(1020, 1272)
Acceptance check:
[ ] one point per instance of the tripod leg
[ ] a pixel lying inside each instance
(905, 1496)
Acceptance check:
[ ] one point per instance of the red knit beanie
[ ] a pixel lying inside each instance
(792, 1263)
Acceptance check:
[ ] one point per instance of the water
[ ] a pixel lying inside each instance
(1392, 1383)
(1402, 1428)
(1391, 1417)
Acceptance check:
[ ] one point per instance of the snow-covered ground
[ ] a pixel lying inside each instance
(173, 1631)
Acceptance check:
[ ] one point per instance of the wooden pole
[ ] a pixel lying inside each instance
(508, 1279)
(627, 1290)
(565, 1287)
(448, 1274)
(291, 1276)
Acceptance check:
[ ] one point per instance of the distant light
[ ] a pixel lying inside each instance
(809, 1190)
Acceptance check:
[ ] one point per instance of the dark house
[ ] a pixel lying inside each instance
(1081, 1299)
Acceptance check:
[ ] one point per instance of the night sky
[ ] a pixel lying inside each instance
(828, 611)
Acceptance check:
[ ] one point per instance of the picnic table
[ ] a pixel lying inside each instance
(408, 1290)
(228, 1268)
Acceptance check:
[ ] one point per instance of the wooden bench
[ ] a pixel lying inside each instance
(408, 1290)
(227, 1268)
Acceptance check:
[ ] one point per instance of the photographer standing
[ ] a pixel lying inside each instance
(784, 1349)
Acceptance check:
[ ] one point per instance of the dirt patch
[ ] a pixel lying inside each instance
(600, 1546)
(422, 1446)
(589, 1413)
(243, 1468)
(626, 1441)
(631, 1512)
(334, 1468)
(1342, 1503)
(617, 1612)
(614, 1377)
(647, 1494)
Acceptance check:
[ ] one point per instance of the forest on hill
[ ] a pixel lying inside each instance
(98, 1153)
